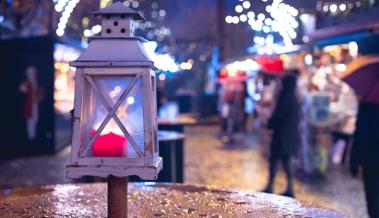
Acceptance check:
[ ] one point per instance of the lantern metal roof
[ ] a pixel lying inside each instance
(116, 51)
(119, 8)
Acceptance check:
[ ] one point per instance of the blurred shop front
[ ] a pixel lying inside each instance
(37, 95)
(328, 104)
(329, 107)
(64, 86)
(236, 92)
(248, 89)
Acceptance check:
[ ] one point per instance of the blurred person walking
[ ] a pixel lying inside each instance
(363, 76)
(33, 96)
(285, 139)
(365, 154)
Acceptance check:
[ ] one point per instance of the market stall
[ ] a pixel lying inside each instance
(237, 88)
(328, 105)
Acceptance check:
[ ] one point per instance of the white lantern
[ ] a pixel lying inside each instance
(115, 121)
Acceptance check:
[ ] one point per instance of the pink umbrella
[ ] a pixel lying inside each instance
(362, 75)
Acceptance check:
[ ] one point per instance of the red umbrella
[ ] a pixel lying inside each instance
(271, 65)
(363, 76)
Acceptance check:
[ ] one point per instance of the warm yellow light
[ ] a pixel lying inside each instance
(112, 127)
(187, 65)
(104, 3)
(115, 92)
(246, 65)
(65, 68)
(232, 73)
(61, 82)
(283, 57)
(353, 49)
(85, 21)
(341, 67)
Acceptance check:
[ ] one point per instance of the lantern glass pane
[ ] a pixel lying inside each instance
(131, 111)
(93, 113)
(116, 139)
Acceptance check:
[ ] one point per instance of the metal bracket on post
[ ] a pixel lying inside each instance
(117, 197)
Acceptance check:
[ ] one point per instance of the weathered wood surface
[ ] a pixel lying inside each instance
(155, 200)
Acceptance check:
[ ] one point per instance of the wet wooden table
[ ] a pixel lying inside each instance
(176, 124)
(153, 200)
(172, 151)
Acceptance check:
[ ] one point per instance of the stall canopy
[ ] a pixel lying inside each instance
(272, 65)
(344, 33)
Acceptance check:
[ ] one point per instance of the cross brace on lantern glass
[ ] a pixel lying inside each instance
(115, 123)
(107, 102)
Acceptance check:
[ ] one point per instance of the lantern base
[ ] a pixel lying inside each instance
(104, 171)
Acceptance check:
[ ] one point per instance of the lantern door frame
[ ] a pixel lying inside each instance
(149, 156)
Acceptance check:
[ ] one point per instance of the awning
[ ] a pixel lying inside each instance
(344, 33)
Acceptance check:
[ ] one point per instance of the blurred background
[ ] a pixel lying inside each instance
(219, 63)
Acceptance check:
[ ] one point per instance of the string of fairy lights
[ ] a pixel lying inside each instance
(278, 18)
(343, 8)
(65, 7)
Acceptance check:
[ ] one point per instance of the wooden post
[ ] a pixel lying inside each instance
(117, 197)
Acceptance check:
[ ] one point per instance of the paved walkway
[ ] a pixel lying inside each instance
(34, 170)
(209, 161)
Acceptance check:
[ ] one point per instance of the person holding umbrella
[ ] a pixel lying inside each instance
(363, 76)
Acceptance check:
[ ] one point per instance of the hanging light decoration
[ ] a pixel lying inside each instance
(279, 19)
(66, 7)
(343, 8)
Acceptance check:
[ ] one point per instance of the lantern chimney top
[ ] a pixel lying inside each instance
(117, 20)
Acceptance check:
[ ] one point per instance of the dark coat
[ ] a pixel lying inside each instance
(365, 151)
(284, 121)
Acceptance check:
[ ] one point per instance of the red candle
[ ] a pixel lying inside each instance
(110, 145)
